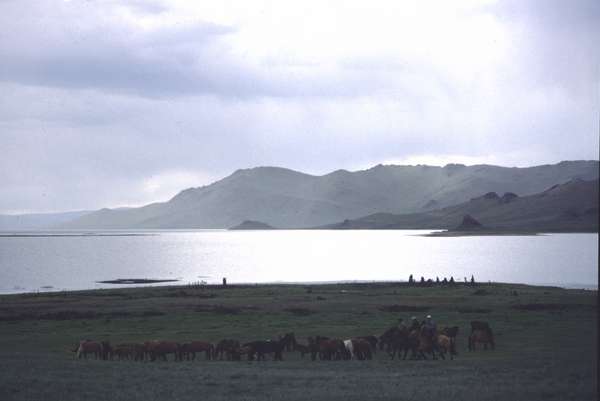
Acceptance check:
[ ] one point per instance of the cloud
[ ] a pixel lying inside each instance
(123, 103)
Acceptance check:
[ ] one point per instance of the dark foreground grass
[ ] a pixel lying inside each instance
(546, 343)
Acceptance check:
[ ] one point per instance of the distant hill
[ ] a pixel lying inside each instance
(252, 225)
(289, 199)
(568, 207)
(37, 221)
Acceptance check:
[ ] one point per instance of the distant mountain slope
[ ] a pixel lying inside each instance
(290, 199)
(252, 225)
(572, 206)
(38, 220)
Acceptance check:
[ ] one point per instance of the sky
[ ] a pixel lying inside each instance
(123, 103)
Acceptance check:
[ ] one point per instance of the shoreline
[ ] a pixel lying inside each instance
(362, 284)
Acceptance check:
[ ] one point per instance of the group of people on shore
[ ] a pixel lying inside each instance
(430, 282)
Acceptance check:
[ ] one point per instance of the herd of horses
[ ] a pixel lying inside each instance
(398, 340)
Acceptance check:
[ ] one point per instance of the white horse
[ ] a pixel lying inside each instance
(349, 347)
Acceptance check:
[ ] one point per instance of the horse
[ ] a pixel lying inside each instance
(479, 325)
(106, 350)
(399, 340)
(481, 336)
(386, 338)
(451, 332)
(226, 347)
(330, 349)
(445, 345)
(190, 349)
(135, 351)
(263, 347)
(160, 349)
(236, 354)
(303, 349)
(349, 347)
(427, 343)
(89, 347)
(313, 345)
(361, 349)
(289, 341)
(372, 340)
(124, 352)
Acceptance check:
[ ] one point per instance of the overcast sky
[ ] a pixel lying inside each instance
(112, 103)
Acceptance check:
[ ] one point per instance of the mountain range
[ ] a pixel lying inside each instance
(572, 206)
(286, 198)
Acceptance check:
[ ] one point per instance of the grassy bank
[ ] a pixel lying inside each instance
(546, 343)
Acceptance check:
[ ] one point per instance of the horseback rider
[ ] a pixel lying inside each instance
(414, 324)
(401, 326)
(429, 326)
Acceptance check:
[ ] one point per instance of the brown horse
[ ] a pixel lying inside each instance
(427, 343)
(160, 350)
(362, 349)
(445, 345)
(451, 332)
(331, 349)
(313, 346)
(89, 347)
(123, 352)
(484, 337)
(188, 350)
(128, 351)
(372, 340)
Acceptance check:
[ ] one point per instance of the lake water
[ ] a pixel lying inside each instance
(58, 261)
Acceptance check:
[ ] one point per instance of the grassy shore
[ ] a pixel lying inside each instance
(546, 343)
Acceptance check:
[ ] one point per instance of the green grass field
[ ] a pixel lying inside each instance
(546, 343)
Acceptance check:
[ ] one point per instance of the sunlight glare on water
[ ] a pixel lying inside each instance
(77, 262)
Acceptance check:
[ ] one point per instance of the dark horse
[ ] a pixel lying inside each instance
(226, 347)
(275, 347)
(290, 341)
(481, 332)
(398, 340)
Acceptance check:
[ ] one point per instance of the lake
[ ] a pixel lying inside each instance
(68, 261)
